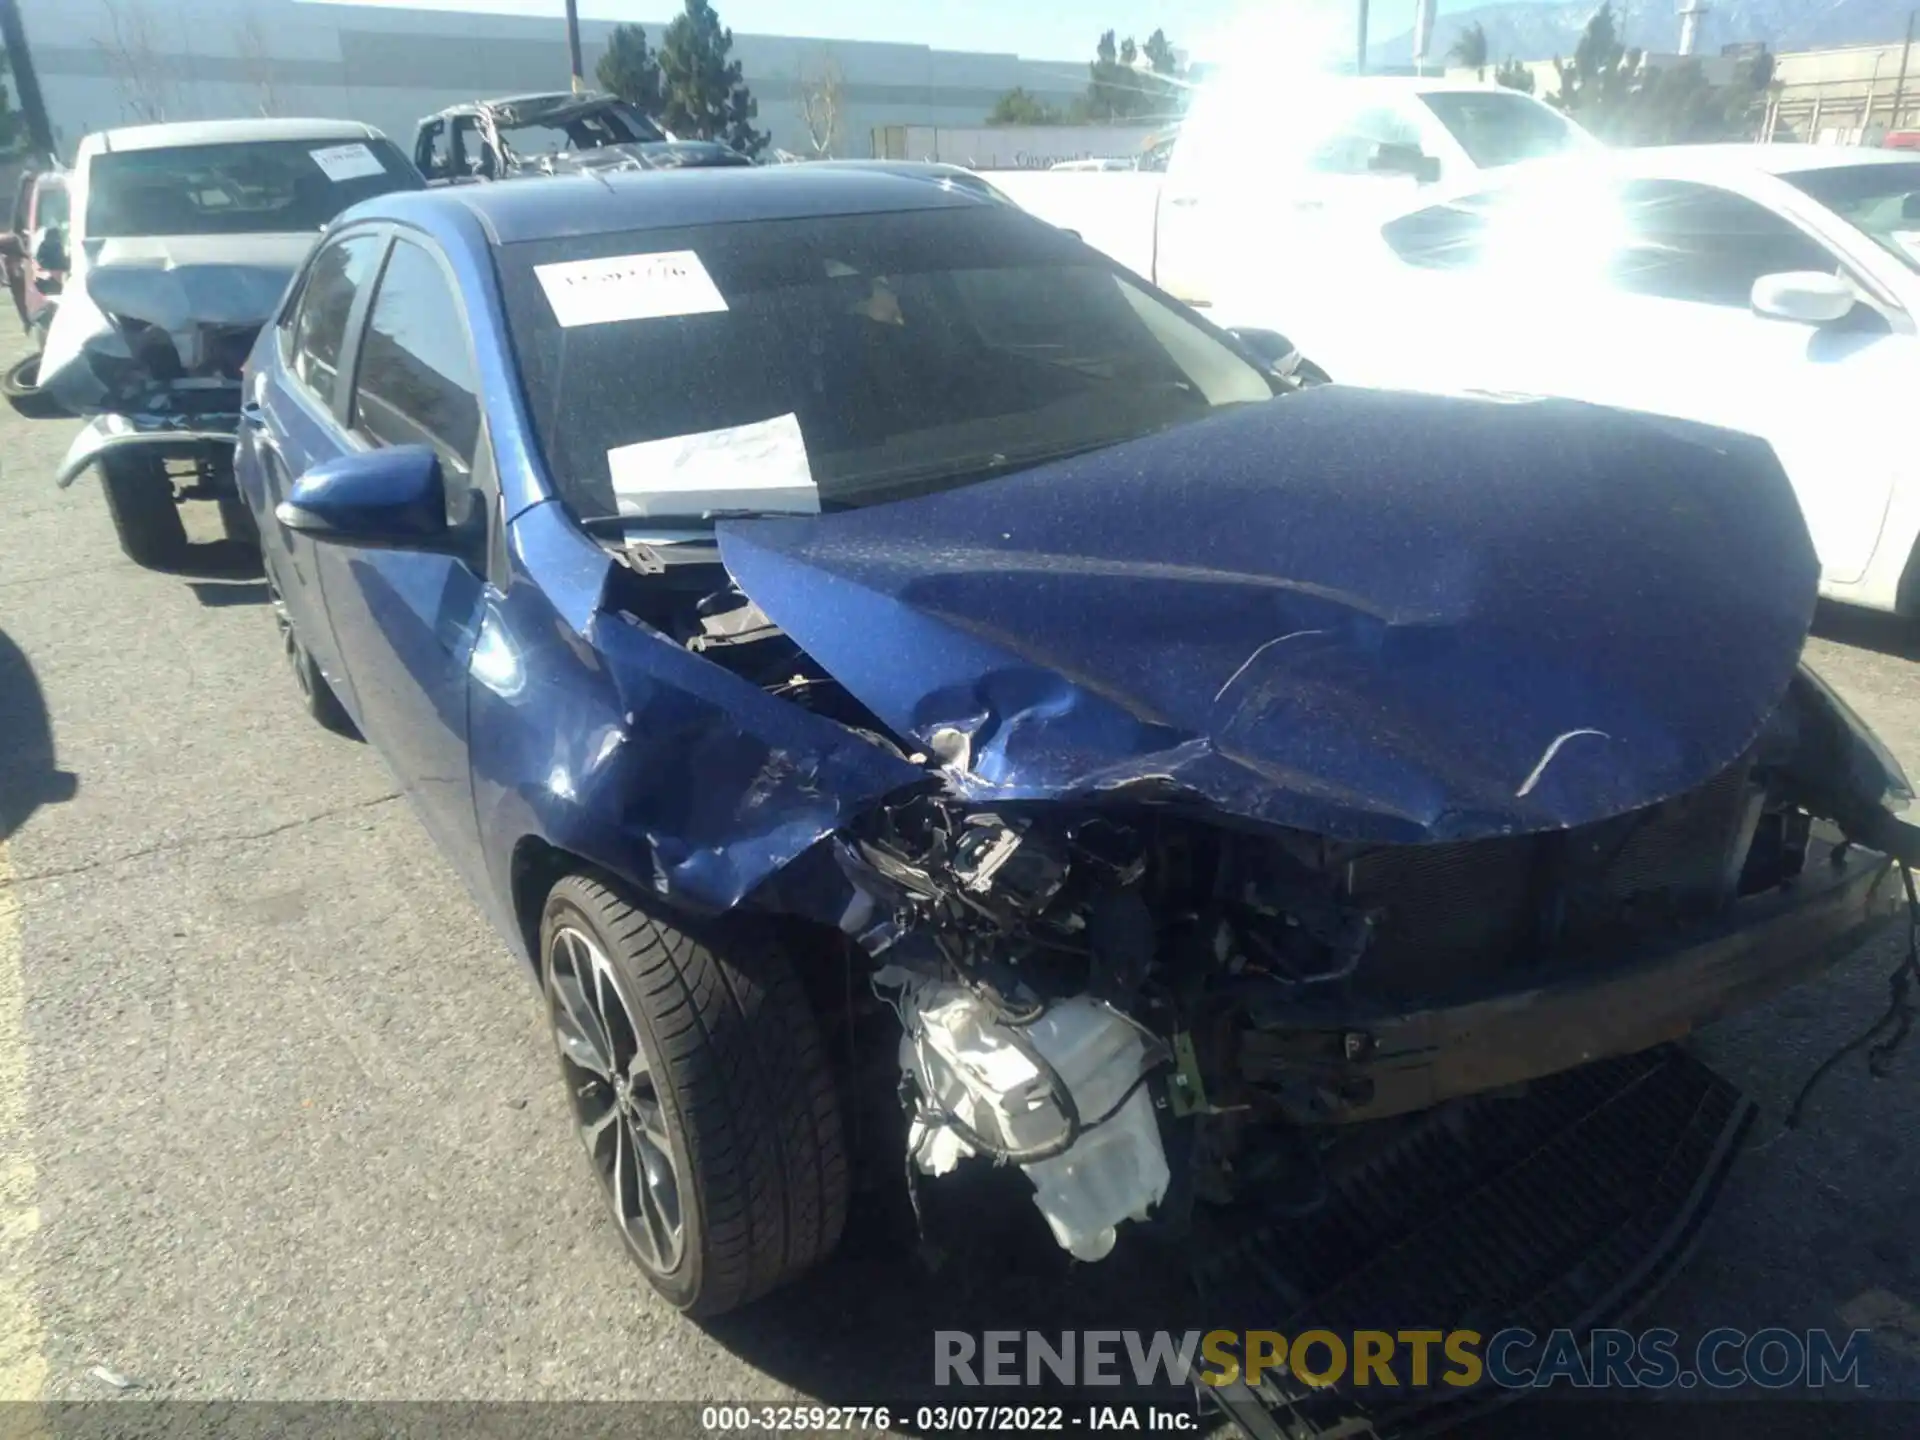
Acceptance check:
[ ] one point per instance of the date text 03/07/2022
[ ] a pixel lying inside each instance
(944, 1419)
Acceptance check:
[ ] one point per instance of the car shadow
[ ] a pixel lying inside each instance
(29, 776)
(1875, 630)
(863, 1329)
(228, 560)
(217, 594)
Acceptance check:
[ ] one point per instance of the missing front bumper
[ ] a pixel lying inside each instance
(1361, 1065)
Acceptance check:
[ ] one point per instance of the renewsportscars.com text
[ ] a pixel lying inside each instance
(1723, 1359)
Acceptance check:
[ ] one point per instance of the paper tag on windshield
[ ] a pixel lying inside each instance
(760, 467)
(348, 162)
(629, 287)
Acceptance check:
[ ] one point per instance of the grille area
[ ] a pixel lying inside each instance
(1567, 1207)
(1456, 913)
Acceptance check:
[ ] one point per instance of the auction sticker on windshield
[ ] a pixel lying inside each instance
(348, 162)
(629, 287)
(760, 468)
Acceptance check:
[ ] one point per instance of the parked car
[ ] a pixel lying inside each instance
(1773, 289)
(1239, 179)
(850, 635)
(36, 235)
(557, 134)
(183, 238)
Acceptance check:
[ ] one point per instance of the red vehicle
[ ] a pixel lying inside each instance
(33, 259)
(1902, 140)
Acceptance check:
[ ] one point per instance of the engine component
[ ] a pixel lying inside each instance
(1062, 1095)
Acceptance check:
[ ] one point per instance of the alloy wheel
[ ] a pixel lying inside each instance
(616, 1102)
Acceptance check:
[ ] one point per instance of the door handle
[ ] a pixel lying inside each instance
(1183, 201)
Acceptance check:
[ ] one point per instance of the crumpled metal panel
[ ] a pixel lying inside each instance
(1375, 616)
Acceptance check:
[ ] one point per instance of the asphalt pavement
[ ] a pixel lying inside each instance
(279, 1118)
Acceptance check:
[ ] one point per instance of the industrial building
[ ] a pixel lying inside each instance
(115, 62)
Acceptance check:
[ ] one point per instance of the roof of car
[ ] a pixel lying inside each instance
(228, 132)
(537, 103)
(667, 199)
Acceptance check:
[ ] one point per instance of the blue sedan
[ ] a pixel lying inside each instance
(804, 596)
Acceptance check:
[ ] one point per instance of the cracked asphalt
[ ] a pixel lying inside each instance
(278, 1118)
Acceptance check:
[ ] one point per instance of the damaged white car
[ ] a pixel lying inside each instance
(182, 240)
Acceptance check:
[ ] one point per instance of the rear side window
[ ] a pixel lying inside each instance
(1697, 243)
(415, 381)
(50, 204)
(334, 282)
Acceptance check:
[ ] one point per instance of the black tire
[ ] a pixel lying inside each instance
(145, 515)
(21, 386)
(735, 1076)
(316, 695)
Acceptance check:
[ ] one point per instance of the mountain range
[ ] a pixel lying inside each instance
(1533, 30)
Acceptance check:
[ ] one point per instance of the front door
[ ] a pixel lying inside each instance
(405, 620)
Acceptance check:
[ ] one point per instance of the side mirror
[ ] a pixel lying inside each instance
(391, 499)
(1273, 349)
(1807, 297)
(1392, 159)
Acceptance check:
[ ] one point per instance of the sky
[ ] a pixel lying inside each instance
(1037, 29)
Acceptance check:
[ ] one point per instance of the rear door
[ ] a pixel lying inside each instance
(288, 424)
(406, 620)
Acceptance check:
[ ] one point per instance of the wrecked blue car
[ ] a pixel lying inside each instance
(798, 597)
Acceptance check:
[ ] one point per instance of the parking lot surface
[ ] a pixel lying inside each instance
(278, 1117)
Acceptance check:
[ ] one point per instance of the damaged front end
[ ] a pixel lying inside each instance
(154, 348)
(1133, 1003)
(1193, 908)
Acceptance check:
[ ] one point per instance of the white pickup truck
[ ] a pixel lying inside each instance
(1249, 163)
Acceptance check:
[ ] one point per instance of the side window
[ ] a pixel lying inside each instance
(415, 383)
(470, 153)
(334, 280)
(1694, 242)
(430, 151)
(1351, 146)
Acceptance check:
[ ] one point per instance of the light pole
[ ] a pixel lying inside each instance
(573, 45)
(1360, 52)
(33, 109)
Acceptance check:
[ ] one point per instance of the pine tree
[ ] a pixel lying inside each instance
(703, 95)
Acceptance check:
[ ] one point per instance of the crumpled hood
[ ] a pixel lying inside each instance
(1375, 616)
(175, 282)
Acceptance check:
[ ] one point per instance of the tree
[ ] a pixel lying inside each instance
(1469, 49)
(1514, 76)
(1019, 107)
(131, 49)
(256, 61)
(823, 104)
(630, 70)
(703, 94)
(1120, 87)
(1615, 94)
(1599, 83)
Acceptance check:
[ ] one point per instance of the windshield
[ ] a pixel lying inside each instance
(825, 363)
(253, 187)
(1498, 127)
(587, 129)
(1880, 201)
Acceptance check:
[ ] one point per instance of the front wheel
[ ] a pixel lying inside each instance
(146, 517)
(21, 386)
(700, 1088)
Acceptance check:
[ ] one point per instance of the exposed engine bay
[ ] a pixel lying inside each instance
(1149, 1006)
